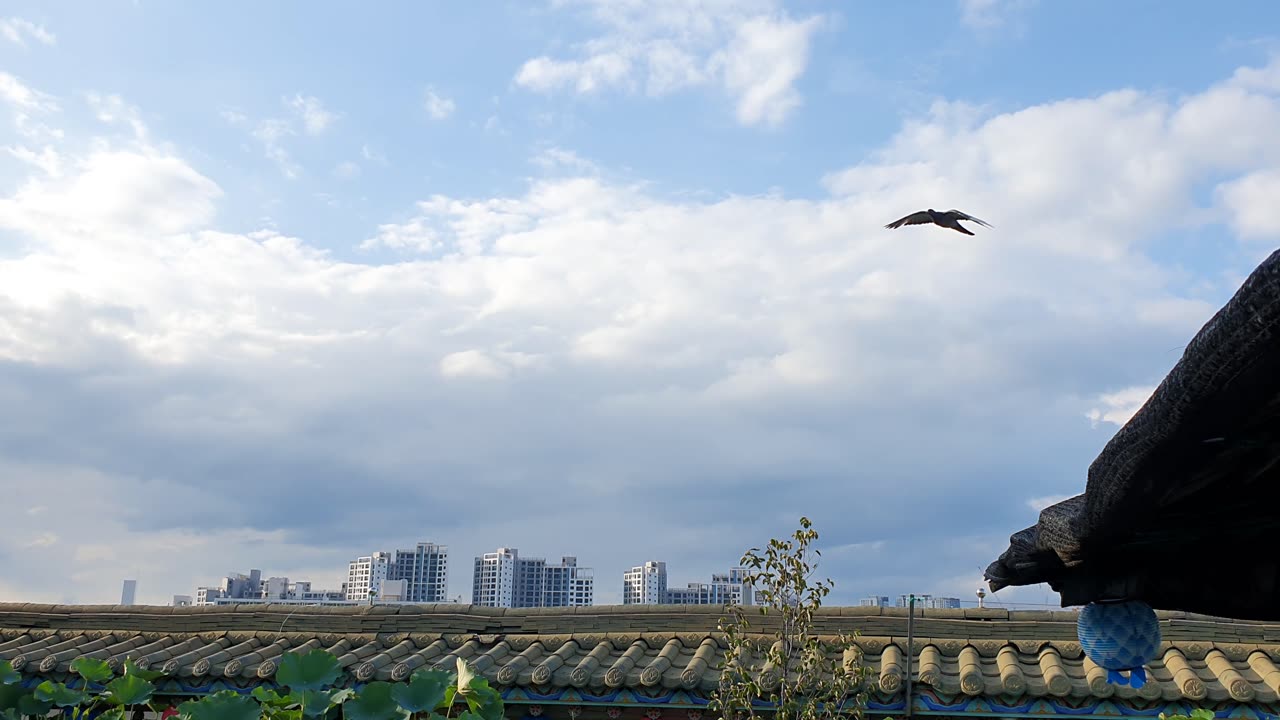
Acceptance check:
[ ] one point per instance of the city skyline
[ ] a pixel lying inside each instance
(498, 579)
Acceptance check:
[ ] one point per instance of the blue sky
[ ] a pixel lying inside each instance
(281, 285)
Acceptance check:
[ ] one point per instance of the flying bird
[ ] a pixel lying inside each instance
(949, 219)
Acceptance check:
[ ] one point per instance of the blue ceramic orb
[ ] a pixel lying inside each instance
(1119, 636)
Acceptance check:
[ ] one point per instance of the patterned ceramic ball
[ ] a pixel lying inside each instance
(1122, 636)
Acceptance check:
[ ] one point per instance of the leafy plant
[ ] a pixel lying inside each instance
(801, 676)
(1197, 714)
(424, 692)
(311, 671)
(309, 677)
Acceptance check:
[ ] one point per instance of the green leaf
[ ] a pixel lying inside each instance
(222, 705)
(450, 693)
(424, 691)
(373, 702)
(8, 676)
(95, 671)
(270, 697)
(315, 670)
(1201, 714)
(60, 695)
(32, 706)
(318, 702)
(10, 695)
(314, 702)
(129, 690)
(131, 668)
(115, 713)
(485, 702)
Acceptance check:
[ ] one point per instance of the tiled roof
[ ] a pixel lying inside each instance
(961, 659)
(1194, 471)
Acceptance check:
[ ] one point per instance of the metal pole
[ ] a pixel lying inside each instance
(910, 651)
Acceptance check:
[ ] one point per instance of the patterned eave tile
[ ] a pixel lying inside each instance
(961, 661)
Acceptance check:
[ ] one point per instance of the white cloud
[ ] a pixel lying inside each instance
(1040, 503)
(372, 155)
(17, 31)
(438, 106)
(414, 235)
(555, 158)
(585, 76)
(315, 118)
(1251, 202)
(761, 66)
(346, 170)
(270, 133)
(604, 340)
(42, 540)
(273, 132)
(752, 49)
(988, 14)
(112, 109)
(47, 159)
(472, 363)
(1118, 407)
(112, 197)
(234, 117)
(15, 93)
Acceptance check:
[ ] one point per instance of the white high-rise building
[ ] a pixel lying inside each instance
(425, 570)
(504, 579)
(645, 584)
(494, 580)
(874, 601)
(128, 594)
(366, 575)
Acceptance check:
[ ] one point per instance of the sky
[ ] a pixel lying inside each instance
(282, 285)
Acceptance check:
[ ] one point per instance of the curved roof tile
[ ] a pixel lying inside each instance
(991, 655)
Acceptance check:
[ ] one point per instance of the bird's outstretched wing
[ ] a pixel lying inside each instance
(966, 216)
(916, 218)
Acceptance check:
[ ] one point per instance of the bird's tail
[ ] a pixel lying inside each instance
(961, 228)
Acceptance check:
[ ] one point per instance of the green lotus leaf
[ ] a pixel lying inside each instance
(222, 705)
(424, 691)
(129, 690)
(92, 670)
(315, 670)
(60, 695)
(374, 702)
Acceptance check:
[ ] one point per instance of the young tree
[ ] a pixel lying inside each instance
(800, 675)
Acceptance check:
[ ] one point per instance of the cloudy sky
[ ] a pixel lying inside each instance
(285, 284)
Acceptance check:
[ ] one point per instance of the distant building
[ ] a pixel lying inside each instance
(647, 585)
(874, 601)
(425, 570)
(128, 594)
(251, 588)
(393, 591)
(929, 601)
(181, 601)
(504, 579)
(365, 576)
